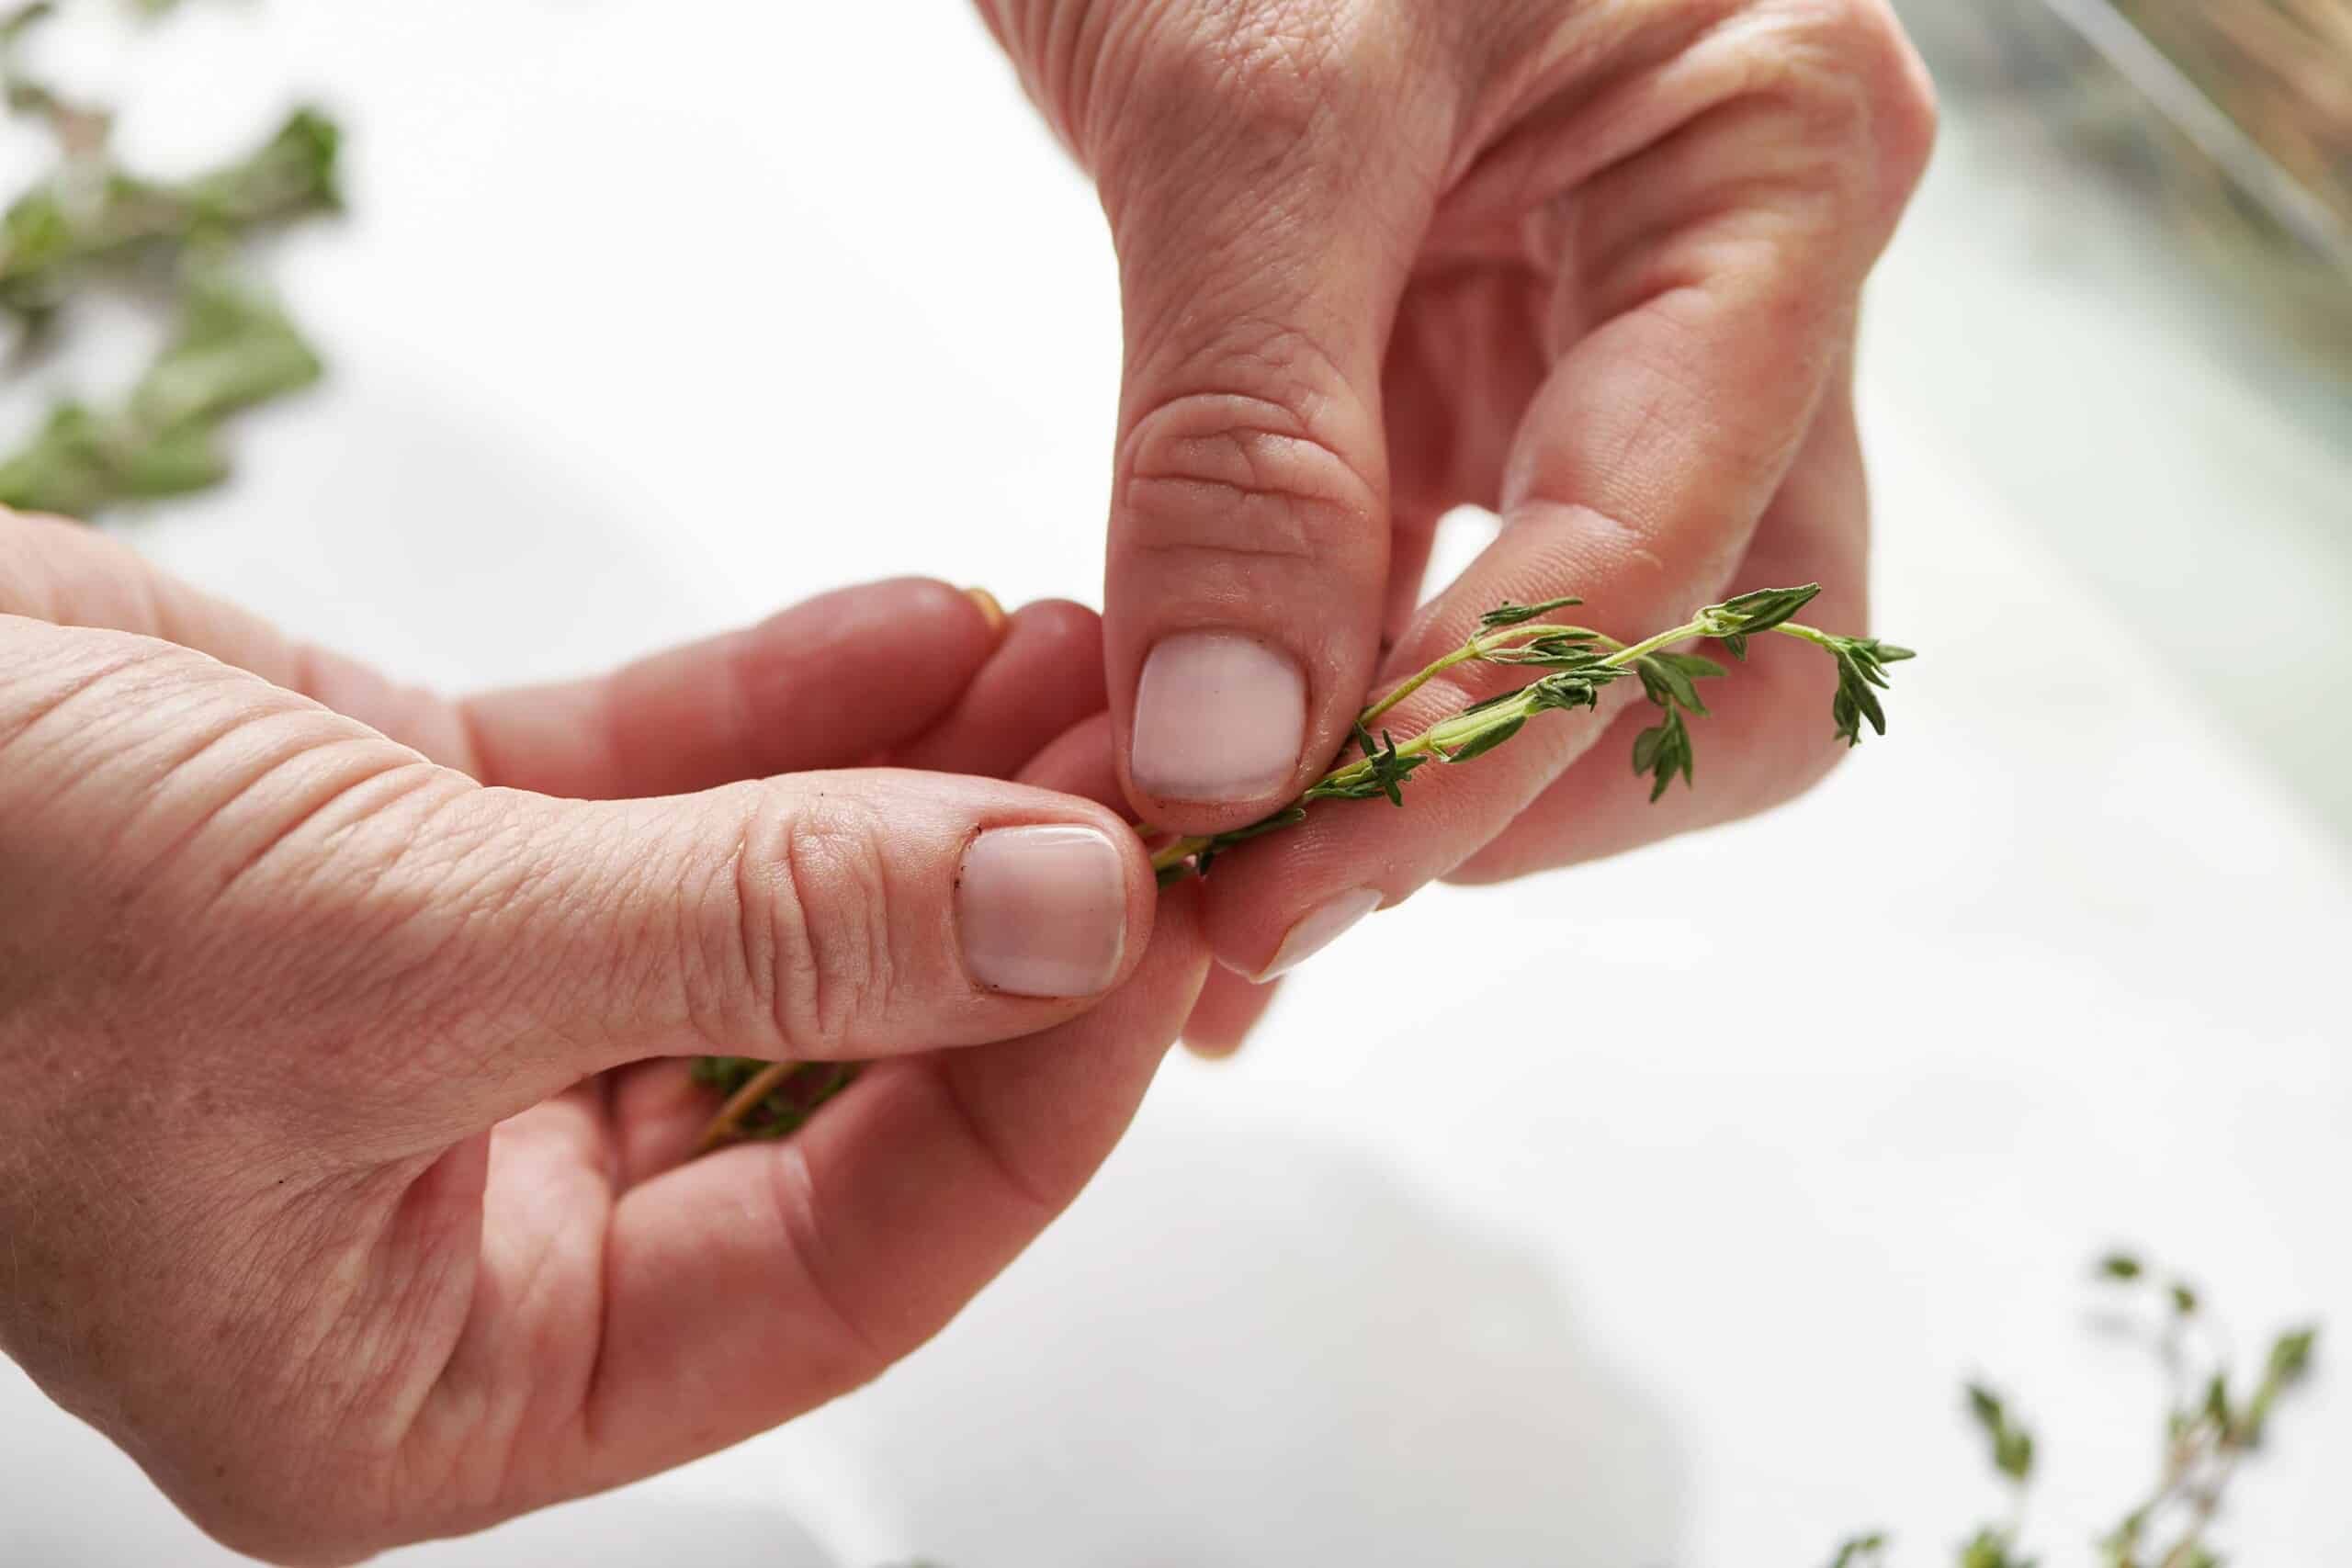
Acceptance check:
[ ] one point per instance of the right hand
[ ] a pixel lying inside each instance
(328, 1186)
(1594, 265)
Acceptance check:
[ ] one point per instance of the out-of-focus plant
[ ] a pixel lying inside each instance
(91, 223)
(2214, 1418)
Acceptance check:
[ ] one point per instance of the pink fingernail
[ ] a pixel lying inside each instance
(1319, 929)
(1043, 912)
(1219, 718)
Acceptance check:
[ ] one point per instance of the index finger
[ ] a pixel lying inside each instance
(1723, 264)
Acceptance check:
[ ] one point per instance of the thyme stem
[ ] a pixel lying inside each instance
(1511, 634)
(725, 1126)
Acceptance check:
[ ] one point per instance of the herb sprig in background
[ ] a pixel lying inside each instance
(2214, 1420)
(186, 246)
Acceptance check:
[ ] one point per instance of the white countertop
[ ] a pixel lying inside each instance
(620, 358)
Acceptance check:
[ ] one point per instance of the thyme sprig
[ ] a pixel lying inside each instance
(774, 1098)
(1580, 661)
(91, 222)
(2208, 1430)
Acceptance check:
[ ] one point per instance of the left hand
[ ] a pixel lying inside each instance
(340, 1156)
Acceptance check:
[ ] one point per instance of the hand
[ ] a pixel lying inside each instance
(327, 1185)
(1593, 264)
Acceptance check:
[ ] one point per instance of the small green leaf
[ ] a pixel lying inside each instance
(16, 22)
(1763, 609)
(1986, 1406)
(2217, 1401)
(2120, 1266)
(2290, 1354)
(1860, 1551)
(1569, 688)
(1646, 746)
(1696, 666)
(1486, 741)
(1510, 615)
(234, 348)
(1662, 752)
(177, 462)
(1989, 1548)
(1672, 677)
(1560, 650)
(2184, 1299)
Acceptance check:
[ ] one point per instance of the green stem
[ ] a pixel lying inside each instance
(725, 1126)
(1478, 647)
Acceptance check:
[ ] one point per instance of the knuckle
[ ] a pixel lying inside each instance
(816, 906)
(1291, 105)
(1262, 74)
(1246, 474)
(1861, 87)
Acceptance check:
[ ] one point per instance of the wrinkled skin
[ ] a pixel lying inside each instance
(336, 1183)
(340, 1179)
(1591, 264)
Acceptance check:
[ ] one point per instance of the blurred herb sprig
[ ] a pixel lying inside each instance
(2208, 1430)
(91, 222)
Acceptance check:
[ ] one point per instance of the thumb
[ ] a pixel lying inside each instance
(1265, 219)
(820, 917)
(218, 862)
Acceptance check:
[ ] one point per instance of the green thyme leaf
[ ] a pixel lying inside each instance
(1674, 677)
(1986, 1406)
(1860, 1552)
(1560, 650)
(1662, 752)
(1567, 689)
(2290, 1355)
(1486, 741)
(2217, 1401)
(1762, 609)
(1510, 615)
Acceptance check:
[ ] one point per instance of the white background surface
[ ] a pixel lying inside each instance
(652, 318)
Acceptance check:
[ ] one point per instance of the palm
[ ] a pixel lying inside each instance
(515, 1228)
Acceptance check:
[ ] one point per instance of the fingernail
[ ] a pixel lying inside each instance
(1319, 929)
(1219, 717)
(990, 611)
(1042, 911)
